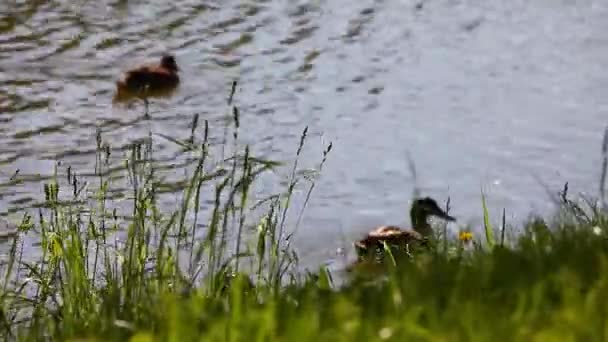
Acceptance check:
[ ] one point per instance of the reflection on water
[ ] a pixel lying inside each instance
(479, 93)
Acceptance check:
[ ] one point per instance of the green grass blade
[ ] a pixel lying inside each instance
(486, 223)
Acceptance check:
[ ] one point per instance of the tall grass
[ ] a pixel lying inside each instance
(227, 273)
(104, 271)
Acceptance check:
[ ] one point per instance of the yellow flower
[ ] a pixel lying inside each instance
(465, 236)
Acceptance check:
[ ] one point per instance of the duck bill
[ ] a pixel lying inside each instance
(442, 214)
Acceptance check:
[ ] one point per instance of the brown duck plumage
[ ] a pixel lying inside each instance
(149, 81)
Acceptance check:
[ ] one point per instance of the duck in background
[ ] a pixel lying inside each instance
(146, 81)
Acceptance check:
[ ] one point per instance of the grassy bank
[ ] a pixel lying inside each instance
(148, 274)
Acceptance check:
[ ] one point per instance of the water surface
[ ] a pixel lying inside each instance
(479, 94)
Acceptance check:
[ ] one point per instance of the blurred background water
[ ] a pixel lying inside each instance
(478, 93)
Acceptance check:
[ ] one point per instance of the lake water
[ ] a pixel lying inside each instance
(479, 94)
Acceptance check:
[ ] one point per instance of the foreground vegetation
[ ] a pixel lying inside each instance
(151, 275)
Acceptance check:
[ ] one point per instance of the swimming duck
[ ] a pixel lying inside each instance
(420, 211)
(148, 81)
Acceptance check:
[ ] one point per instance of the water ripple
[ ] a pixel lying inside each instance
(473, 90)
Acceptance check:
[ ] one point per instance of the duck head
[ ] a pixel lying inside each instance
(421, 209)
(168, 62)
